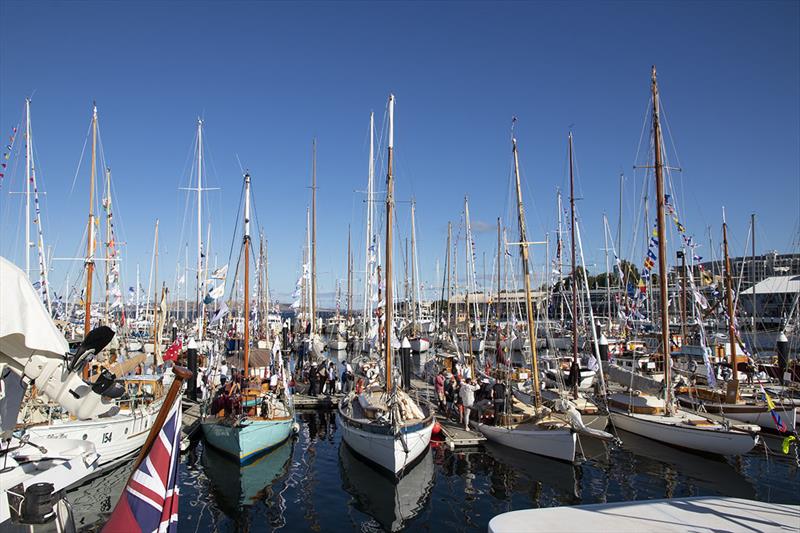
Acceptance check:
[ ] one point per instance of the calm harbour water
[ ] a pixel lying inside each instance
(314, 483)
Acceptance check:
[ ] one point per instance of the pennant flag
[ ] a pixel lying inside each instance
(150, 499)
(223, 310)
(220, 273)
(775, 416)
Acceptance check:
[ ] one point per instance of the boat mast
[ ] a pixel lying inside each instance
(413, 268)
(108, 237)
(388, 267)
(468, 270)
(574, 268)
(199, 295)
(662, 242)
(523, 248)
(349, 275)
(367, 317)
(560, 254)
(497, 305)
(138, 289)
(606, 231)
(28, 165)
(313, 235)
(246, 244)
(447, 266)
(156, 301)
(733, 385)
(87, 321)
(753, 270)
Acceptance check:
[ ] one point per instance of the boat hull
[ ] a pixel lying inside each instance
(556, 443)
(703, 440)
(392, 450)
(249, 440)
(116, 438)
(751, 414)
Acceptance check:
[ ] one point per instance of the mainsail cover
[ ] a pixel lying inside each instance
(25, 325)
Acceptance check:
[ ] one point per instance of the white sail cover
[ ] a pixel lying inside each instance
(25, 325)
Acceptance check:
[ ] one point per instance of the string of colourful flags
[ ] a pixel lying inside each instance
(7, 154)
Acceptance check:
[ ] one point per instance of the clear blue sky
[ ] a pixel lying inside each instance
(268, 77)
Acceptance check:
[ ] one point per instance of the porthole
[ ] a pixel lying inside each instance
(85, 436)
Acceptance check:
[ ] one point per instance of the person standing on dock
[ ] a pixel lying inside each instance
(467, 395)
(499, 398)
(439, 386)
(312, 380)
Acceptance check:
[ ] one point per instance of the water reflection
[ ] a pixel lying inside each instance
(236, 488)
(392, 504)
(672, 472)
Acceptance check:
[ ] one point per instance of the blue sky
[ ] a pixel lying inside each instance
(269, 77)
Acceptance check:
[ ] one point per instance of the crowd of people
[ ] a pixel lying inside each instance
(458, 396)
(323, 378)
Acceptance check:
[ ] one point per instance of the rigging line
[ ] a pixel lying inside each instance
(80, 160)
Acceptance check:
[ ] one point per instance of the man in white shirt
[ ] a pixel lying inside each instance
(467, 394)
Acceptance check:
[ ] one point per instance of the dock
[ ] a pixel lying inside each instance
(706, 514)
(456, 436)
(191, 422)
(304, 401)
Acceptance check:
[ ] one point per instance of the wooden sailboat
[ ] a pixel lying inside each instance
(247, 423)
(658, 418)
(572, 375)
(120, 433)
(383, 424)
(731, 403)
(530, 428)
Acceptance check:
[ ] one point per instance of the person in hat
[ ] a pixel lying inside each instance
(467, 395)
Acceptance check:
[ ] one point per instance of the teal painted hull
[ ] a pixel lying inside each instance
(249, 440)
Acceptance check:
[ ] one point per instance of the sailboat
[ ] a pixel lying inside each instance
(121, 432)
(731, 403)
(575, 377)
(658, 418)
(530, 428)
(248, 423)
(383, 424)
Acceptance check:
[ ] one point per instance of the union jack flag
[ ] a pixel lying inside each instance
(149, 502)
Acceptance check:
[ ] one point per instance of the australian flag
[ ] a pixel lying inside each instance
(149, 502)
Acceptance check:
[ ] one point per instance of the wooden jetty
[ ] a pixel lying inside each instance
(456, 436)
(304, 401)
(191, 422)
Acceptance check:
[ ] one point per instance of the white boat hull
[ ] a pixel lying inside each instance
(337, 344)
(115, 438)
(669, 430)
(556, 443)
(761, 417)
(387, 451)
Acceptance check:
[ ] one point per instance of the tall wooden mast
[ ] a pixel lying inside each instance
(497, 352)
(313, 235)
(574, 268)
(662, 241)
(413, 267)
(389, 218)
(87, 321)
(733, 385)
(523, 248)
(246, 244)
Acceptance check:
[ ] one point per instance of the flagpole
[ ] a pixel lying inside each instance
(181, 374)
